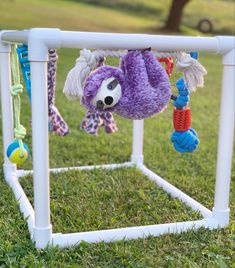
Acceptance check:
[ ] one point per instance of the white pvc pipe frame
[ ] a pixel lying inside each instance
(39, 40)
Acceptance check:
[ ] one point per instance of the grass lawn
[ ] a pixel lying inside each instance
(100, 199)
(124, 16)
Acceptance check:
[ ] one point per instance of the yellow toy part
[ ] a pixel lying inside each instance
(16, 154)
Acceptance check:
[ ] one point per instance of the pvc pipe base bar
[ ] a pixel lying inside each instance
(128, 233)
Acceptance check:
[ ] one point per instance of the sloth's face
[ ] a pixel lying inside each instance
(108, 95)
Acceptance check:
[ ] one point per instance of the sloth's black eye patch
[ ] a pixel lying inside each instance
(111, 85)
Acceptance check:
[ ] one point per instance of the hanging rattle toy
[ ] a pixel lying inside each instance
(17, 151)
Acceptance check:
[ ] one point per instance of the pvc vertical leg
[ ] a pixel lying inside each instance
(42, 229)
(7, 113)
(137, 142)
(225, 144)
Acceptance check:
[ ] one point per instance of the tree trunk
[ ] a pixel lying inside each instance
(175, 14)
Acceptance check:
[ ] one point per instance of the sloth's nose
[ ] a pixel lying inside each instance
(108, 100)
(99, 104)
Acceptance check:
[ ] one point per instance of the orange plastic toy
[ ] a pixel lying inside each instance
(169, 64)
(182, 119)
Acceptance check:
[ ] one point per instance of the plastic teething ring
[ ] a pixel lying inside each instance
(169, 64)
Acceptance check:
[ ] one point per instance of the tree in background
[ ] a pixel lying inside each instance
(175, 14)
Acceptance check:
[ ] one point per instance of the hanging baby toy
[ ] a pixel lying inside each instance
(184, 138)
(17, 151)
(138, 89)
(57, 124)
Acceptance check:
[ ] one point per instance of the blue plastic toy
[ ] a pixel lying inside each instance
(22, 52)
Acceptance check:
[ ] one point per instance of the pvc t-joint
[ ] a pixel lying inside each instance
(42, 236)
(229, 58)
(40, 40)
(225, 44)
(137, 159)
(221, 216)
(226, 47)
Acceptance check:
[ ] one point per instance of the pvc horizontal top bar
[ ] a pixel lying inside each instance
(74, 39)
(137, 41)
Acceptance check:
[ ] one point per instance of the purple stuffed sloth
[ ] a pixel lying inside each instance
(140, 88)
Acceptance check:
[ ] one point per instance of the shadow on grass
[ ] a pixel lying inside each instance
(128, 7)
